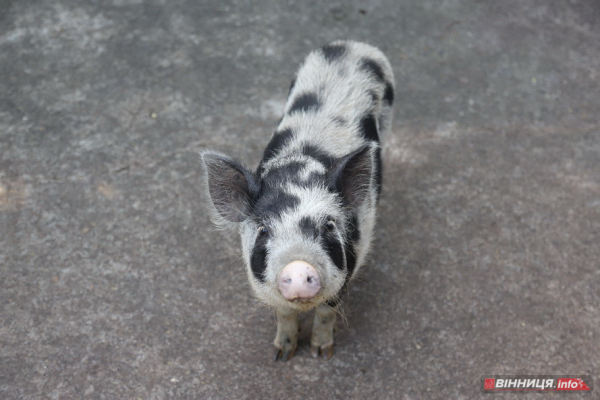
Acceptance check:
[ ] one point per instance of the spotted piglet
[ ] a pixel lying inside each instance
(306, 215)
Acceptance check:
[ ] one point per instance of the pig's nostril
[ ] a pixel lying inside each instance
(309, 279)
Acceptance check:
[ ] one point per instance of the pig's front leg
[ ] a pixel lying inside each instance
(322, 332)
(287, 334)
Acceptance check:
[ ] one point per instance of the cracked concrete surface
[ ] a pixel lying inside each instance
(114, 286)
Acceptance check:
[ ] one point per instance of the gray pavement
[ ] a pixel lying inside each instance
(114, 286)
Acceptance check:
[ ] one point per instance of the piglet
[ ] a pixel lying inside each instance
(306, 214)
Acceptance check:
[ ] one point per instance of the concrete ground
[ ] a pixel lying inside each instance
(114, 286)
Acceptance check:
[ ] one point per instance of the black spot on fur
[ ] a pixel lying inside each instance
(334, 249)
(258, 259)
(332, 52)
(353, 238)
(388, 95)
(350, 259)
(305, 102)
(368, 128)
(320, 155)
(277, 142)
(353, 231)
(291, 173)
(273, 202)
(284, 173)
(379, 172)
(371, 66)
(308, 227)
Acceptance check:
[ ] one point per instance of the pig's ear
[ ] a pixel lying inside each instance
(231, 186)
(351, 176)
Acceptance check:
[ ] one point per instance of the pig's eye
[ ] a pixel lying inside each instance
(330, 225)
(262, 231)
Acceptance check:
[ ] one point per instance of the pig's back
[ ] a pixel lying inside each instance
(340, 99)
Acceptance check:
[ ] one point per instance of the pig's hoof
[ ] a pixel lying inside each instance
(325, 351)
(283, 354)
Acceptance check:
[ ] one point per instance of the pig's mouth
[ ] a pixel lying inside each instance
(302, 300)
(306, 303)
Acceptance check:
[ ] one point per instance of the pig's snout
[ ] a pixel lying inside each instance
(299, 281)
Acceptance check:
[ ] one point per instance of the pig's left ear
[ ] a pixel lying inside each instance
(232, 187)
(351, 176)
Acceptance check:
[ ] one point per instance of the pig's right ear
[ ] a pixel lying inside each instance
(232, 187)
(352, 175)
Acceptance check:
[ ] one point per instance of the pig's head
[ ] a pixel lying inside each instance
(298, 220)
